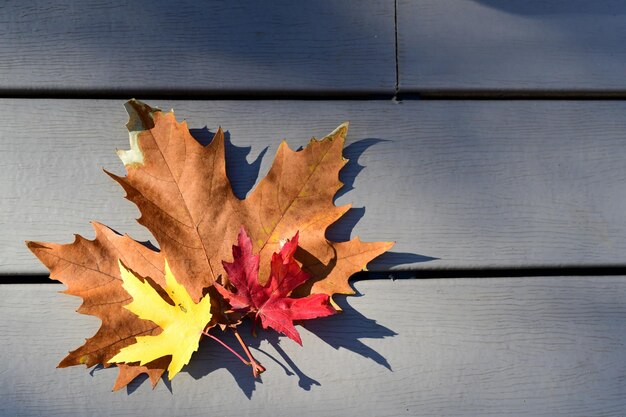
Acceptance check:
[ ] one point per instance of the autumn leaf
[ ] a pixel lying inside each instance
(186, 201)
(182, 323)
(89, 269)
(270, 302)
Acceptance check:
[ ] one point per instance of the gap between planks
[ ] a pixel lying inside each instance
(398, 96)
(614, 270)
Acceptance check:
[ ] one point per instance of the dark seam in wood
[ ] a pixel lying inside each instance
(551, 271)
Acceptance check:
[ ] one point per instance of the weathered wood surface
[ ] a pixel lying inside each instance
(197, 47)
(563, 46)
(474, 184)
(457, 347)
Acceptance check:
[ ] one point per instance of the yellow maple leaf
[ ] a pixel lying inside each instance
(182, 323)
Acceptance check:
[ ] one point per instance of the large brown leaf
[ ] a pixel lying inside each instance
(186, 201)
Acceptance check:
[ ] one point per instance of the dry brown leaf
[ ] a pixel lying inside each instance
(186, 201)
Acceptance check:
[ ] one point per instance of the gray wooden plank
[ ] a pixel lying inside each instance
(197, 47)
(495, 45)
(455, 347)
(488, 184)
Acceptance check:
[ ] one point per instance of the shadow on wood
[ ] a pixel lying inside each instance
(570, 7)
(347, 330)
(341, 230)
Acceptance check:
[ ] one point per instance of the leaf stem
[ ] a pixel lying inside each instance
(204, 332)
(257, 368)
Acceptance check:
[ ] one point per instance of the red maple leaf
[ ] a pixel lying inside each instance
(271, 302)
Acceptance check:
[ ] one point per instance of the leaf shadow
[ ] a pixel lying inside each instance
(274, 339)
(352, 153)
(388, 260)
(531, 8)
(341, 230)
(97, 369)
(212, 357)
(242, 175)
(347, 329)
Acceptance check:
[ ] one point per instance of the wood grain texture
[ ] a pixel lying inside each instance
(474, 184)
(461, 347)
(495, 45)
(197, 47)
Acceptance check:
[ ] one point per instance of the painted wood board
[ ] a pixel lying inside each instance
(458, 184)
(561, 46)
(190, 47)
(541, 346)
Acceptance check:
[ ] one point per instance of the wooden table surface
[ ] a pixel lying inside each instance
(486, 135)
